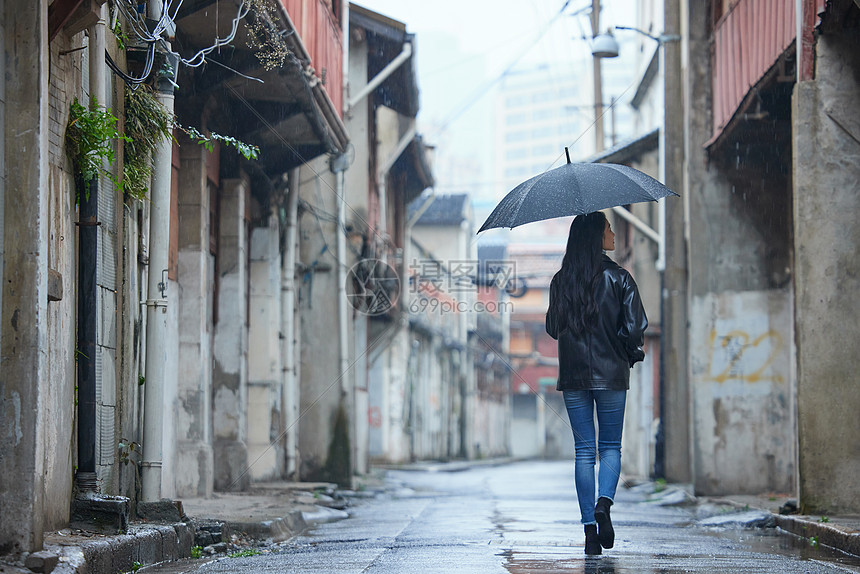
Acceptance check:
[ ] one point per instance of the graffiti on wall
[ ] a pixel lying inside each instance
(743, 356)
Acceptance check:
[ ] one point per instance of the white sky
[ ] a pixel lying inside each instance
(463, 45)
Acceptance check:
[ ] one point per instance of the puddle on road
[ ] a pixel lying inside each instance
(764, 551)
(775, 541)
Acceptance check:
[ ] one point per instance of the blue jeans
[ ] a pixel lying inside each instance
(610, 421)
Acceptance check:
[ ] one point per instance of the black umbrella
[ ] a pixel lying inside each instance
(574, 189)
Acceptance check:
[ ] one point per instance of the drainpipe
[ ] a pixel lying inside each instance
(156, 301)
(288, 317)
(392, 66)
(339, 166)
(87, 257)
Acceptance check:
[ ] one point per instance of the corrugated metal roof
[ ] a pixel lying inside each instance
(629, 150)
(748, 40)
(445, 210)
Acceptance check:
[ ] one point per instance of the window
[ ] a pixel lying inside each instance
(516, 101)
(515, 136)
(515, 154)
(544, 114)
(516, 119)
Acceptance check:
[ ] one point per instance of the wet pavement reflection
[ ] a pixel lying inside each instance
(520, 518)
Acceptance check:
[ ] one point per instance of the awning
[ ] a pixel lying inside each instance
(286, 111)
(386, 38)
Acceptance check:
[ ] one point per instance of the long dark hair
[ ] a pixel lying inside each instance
(581, 270)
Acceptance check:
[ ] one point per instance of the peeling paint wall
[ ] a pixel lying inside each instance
(230, 351)
(195, 274)
(324, 388)
(827, 240)
(740, 346)
(738, 318)
(265, 406)
(24, 368)
(59, 400)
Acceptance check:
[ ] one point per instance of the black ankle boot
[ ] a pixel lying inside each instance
(592, 544)
(604, 523)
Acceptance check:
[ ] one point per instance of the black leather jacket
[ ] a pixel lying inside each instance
(601, 358)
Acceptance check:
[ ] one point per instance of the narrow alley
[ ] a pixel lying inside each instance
(522, 517)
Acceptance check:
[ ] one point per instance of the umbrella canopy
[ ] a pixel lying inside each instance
(574, 189)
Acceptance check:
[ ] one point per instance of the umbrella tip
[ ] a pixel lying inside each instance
(567, 153)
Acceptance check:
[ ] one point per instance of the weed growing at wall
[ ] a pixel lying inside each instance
(147, 125)
(90, 136)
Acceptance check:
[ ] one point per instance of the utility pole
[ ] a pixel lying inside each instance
(598, 81)
(674, 395)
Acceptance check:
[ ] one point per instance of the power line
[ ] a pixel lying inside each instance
(483, 89)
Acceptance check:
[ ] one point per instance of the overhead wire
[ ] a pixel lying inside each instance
(200, 57)
(169, 12)
(482, 90)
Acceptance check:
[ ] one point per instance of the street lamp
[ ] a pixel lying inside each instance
(605, 46)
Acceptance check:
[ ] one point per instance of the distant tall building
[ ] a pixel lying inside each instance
(539, 111)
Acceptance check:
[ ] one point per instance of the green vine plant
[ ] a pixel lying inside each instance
(248, 151)
(126, 449)
(90, 135)
(122, 39)
(147, 125)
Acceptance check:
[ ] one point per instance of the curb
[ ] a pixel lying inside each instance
(843, 538)
(833, 535)
(275, 530)
(144, 545)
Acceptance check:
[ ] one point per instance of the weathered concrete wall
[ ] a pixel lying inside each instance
(24, 426)
(388, 398)
(356, 194)
(826, 242)
(638, 441)
(728, 279)
(558, 436)
(426, 406)
(736, 275)
(528, 435)
(265, 419)
(230, 352)
(193, 463)
(740, 348)
(59, 400)
(324, 388)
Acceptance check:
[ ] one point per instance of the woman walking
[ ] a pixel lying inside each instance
(596, 314)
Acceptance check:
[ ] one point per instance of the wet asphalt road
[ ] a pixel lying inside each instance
(520, 518)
